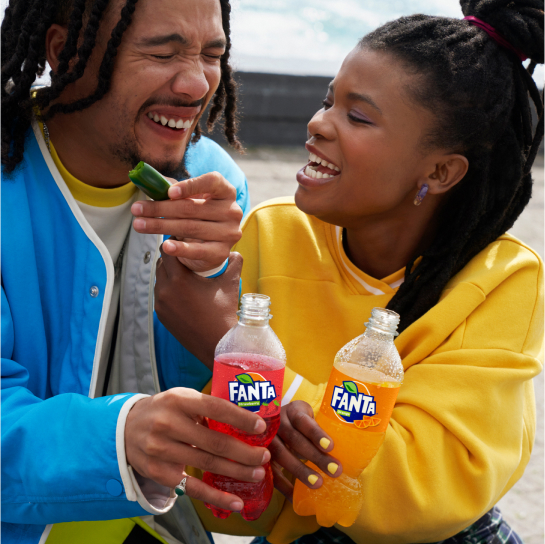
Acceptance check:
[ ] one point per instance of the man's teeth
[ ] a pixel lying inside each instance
(311, 173)
(172, 123)
(314, 158)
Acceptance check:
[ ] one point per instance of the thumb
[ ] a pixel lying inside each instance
(234, 268)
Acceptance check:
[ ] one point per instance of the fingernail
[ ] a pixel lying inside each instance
(260, 426)
(137, 209)
(332, 467)
(266, 457)
(259, 473)
(175, 192)
(313, 479)
(324, 442)
(139, 223)
(169, 246)
(237, 506)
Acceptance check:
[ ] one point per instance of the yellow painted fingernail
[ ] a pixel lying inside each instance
(313, 479)
(332, 467)
(324, 442)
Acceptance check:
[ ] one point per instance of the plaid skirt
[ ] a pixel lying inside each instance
(490, 529)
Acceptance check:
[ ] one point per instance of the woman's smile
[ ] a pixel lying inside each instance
(319, 169)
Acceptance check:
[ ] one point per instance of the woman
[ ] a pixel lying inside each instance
(419, 162)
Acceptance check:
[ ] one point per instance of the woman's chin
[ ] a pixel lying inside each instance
(309, 203)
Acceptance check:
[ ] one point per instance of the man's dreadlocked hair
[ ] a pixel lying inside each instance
(478, 92)
(23, 59)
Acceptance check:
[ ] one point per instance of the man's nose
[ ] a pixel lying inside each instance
(191, 82)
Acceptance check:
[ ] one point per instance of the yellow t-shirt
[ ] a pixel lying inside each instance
(463, 427)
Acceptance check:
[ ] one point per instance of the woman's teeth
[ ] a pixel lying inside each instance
(314, 158)
(172, 123)
(312, 171)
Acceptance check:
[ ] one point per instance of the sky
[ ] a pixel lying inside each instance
(311, 37)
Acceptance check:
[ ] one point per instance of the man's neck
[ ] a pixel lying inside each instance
(85, 161)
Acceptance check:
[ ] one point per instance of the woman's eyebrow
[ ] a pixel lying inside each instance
(356, 96)
(364, 98)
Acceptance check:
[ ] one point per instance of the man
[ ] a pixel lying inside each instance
(130, 81)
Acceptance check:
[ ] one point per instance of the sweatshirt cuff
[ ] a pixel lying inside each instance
(153, 497)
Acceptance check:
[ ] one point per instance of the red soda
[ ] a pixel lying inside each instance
(252, 381)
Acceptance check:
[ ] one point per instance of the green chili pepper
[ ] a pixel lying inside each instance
(150, 181)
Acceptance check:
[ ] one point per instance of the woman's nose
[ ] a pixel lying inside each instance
(320, 126)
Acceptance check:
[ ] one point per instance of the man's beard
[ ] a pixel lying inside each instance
(127, 152)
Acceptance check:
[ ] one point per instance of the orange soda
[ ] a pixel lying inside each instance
(355, 412)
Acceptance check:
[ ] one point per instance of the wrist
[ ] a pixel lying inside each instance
(214, 272)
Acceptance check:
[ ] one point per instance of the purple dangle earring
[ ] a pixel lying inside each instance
(420, 195)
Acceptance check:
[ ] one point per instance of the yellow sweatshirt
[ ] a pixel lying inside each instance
(463, 427)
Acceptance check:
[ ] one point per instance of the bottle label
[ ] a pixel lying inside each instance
(363, 405)
(256, 391)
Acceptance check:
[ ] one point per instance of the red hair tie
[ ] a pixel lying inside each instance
(491, 31)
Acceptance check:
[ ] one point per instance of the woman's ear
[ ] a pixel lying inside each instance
(54, 44)
(449, 170)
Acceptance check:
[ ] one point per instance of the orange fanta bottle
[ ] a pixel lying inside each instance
(355, 412)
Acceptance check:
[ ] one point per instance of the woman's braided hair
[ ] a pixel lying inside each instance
(479, 93)
(24, 58)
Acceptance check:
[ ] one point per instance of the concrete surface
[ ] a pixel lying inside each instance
(271, 173)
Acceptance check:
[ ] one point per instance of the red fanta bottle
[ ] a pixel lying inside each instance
(249, 371)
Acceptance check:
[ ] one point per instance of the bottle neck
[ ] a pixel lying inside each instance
(374, 332)
(253, 321)
(254, 310)
(382, 322)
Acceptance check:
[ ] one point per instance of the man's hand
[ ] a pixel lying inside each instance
(197, 311)
(300, 437)
(202, 216)
(165, 432)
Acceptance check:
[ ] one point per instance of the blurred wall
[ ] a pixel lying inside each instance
(275, 108)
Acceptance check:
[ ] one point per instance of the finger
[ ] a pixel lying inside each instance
(221, 410)
(189, 228)
(286, 459)
(212, 183)
(228, 447)
(303, 447)
(196, 489)
(307, 426)
(212, 463)
(172, 267)
(210, 252)
(281, 482)
(189, 208)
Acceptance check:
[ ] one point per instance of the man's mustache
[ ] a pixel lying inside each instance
(170, 101)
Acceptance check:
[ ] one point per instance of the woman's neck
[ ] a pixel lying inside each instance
(382, 247)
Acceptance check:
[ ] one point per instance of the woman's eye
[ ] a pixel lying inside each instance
(162, 57)
(359, 119)
(326, 104)
(215, 57)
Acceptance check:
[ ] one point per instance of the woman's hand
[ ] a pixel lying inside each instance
(300, 437)
(197, 311)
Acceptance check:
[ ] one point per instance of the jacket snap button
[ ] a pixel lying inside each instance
(94, 291)
(114, 488)
(147, 257)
